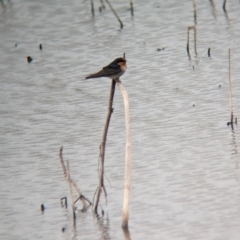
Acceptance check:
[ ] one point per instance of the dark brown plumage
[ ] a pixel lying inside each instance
(114, 70)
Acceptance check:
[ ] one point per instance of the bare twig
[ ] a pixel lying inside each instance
(230, 87)
(102, 148)
(195, 11)
(92, 8)
(71, 194)
(121, 24)
(131, 7)
(195, 41)
(224, 5)
(62, 163)
(69, 179)
(209, 49)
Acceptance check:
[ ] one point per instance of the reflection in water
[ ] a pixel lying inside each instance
(190, 172)
(104, 227)
(226, 15)
(225, 11)
(126, 234)
(195, 41)
(74, 231)
(234, 143)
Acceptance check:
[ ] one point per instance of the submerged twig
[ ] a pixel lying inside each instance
(189, 56)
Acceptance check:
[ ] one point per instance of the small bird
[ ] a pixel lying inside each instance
(114, 70)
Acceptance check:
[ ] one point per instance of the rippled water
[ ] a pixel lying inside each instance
(185, 159)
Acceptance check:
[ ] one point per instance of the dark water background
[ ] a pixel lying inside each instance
(185, 159)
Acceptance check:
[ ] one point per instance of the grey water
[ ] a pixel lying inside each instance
(185, 159)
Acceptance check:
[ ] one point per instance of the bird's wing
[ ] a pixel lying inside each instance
(95, 75)
(111, 71)
(105, 72)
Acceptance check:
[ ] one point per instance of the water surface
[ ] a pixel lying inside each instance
(185, 159)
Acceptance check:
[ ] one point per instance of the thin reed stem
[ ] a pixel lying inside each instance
(194, 11)
(224, 5)
(131, 7)
(121, 24)
(69, 179)
(71, 194)
(92, 8)
(102, 148)
(230, 86)
(126, 197)
(188, 52)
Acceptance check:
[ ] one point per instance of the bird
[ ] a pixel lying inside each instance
(114, 70)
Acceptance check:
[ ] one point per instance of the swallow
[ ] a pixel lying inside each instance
(114, 70)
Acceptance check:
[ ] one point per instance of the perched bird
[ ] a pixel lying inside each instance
(114, 70)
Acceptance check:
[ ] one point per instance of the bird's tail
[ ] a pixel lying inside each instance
(95, 75)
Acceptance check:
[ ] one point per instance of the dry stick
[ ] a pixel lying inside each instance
(195, 11)
(230, 86)
(188, 44)
(195, 40)
(80, 198)
(65, 202)
(224, 5)
(131, 7)
(125, 213)
(121, 24)
(69, 179)
(209, 49)
(92, 7)
(71, 194)
(102, 147)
